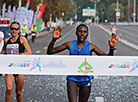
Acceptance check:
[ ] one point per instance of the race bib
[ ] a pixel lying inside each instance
(33, 34)
(12, 49)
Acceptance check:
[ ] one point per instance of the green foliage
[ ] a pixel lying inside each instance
(105, 8)
(112, 13)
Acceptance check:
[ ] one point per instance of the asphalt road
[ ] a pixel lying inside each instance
(53, 88)
(129, 33)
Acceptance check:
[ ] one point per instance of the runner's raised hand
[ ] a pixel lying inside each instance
(113, 40)
(57, 32)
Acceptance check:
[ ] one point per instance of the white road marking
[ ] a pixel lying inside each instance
(99, 99)
(69, 32)
(122, 40)
(45, 48)
(63, 36)
(38, 51)
(89, 38)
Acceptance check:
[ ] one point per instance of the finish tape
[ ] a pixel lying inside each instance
(69, 65)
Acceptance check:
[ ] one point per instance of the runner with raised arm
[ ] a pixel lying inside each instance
(79, 47)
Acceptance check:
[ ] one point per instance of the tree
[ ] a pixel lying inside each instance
(55, 8)
(112, 13)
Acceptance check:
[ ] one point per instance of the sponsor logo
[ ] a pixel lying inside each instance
(25, 64)
(54, 64)
(85, 68)
(88, 84)
(133, 65)
(124, 65)
(36, 63)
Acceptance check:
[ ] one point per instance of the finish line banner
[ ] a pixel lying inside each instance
(69, 65)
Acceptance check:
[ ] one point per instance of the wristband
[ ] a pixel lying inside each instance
(112, 48)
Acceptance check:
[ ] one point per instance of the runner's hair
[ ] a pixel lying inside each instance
(14, 22)
(83, 26)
